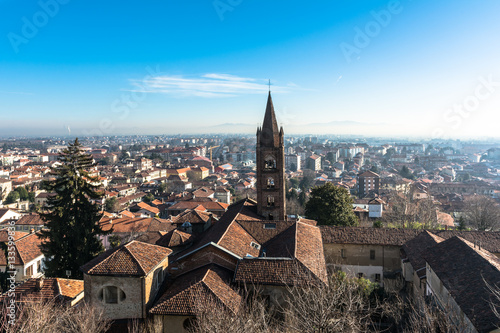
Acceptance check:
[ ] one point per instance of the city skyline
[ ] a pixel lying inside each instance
(387, 68)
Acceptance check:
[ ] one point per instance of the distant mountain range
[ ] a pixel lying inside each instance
(334, 127)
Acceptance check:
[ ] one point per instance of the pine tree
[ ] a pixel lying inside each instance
(72, 235)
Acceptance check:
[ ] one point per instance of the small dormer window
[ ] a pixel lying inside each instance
(255, 245)
(269, 225)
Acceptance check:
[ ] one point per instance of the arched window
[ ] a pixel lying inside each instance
(270, 163)
(270, 183)
(270, 201)
(111, 295)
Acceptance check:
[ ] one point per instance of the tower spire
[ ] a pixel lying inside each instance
(270, 166)
(270, 131)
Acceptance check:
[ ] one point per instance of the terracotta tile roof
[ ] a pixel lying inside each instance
(31, 219)
(131, 259)
(60, 290)
(360, 235)
(150, 237)
(228, 232)
(27, 248)
(126, 213)
(397, 237)
(465, 271)
(205, 285)
(175, 238)
(257, 229)
(209, 205)
(489, 240)
(4, 235)
(272, 271)
(192, 216)
(135, 224)
(309, 249)
(147, 207)
(203, 192)
(415, 248)
(238, 241)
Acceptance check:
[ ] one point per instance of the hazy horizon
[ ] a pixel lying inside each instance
(384, 68)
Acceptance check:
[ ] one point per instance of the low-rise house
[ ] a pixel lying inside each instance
(198, 220)
(5, 188)
(217, 208)
(145, 209)
(9, 214)
(372, 253)
(459, 274)
(178, 306)
(28, 258)
(30, 222)
(240, 249)
(66, 292)
(222, 194)
(41, 198)
(130, 228)
(200, 172)
(412, 261)
(124, 281)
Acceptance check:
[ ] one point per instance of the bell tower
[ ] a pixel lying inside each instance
(270, 167)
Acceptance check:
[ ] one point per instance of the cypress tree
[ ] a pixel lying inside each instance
(72, 235)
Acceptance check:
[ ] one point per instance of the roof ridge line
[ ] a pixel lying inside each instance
(58, 287)
(480, 251)
(295, 243)
(136, 260)
(232, 221)
(17, 249)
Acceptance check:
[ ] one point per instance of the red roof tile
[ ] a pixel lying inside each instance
(201, 286)
(131, 259)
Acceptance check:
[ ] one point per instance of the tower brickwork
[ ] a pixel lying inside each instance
(270, 153)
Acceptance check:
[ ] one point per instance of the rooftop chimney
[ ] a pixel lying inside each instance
(39, 284)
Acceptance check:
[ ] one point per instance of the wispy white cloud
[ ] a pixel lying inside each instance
(339, 78)
(15, 92)
(206, 85)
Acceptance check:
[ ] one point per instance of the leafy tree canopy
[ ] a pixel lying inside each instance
(331, 205)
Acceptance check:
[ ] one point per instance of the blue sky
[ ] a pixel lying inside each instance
(423, 68)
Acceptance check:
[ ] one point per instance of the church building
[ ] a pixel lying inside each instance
(270, 152)
(252, 244)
